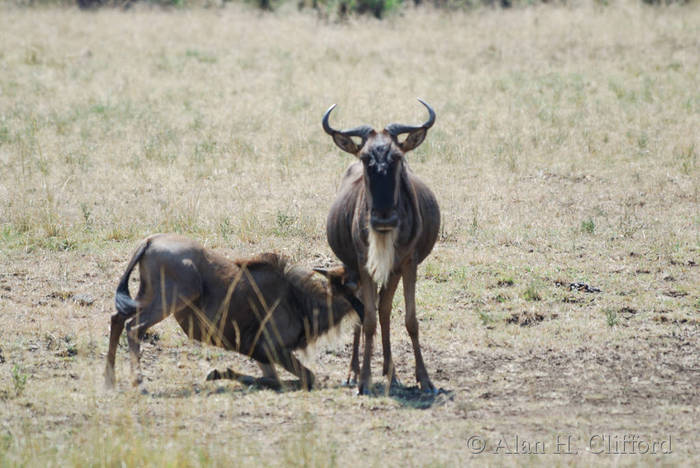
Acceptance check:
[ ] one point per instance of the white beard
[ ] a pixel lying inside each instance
(380, 258)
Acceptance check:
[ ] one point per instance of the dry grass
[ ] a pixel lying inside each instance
(565, 151)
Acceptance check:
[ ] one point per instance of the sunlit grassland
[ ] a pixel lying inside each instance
(565, 151)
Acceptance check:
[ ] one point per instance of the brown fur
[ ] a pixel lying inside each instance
(352, 218)
(258, 306)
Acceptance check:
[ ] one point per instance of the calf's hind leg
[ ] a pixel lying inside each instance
(168, 297)
(116, 329)
(115, 332)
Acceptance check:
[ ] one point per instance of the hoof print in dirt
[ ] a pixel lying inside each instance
(83, 299)
(675, 293)
(527, 319)
(577, 286)
(583, 287)
(80, 299)
(67, 353)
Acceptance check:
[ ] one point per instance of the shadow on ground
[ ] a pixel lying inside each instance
(407, 397)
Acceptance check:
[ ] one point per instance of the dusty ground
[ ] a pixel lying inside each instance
(561, 303)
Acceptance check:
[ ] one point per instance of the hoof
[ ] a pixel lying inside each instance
(110, 377)
(353, 378)
(363, 390)
(109, 382)
(395, 383)
(428, 387)
(308, 382)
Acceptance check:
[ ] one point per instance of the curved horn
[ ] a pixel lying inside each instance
(342, 138)
(396, 129)
(326, 126)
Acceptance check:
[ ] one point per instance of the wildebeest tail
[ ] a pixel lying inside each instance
(123, 302)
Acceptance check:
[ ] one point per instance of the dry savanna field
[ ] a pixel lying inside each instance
(561, 302)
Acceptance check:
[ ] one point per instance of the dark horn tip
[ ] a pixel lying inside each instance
(326, 126)
(431, 114)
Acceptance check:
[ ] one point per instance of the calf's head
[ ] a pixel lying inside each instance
(344, 284)
(382, 156)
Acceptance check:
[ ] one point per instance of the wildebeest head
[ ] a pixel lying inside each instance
(382, 155)
(343, 283)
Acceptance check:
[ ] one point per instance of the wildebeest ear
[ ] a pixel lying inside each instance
(345, 143)
(338, 276)
(343, 138)
(323, 271)
(416, 135)
(413, 139)
(335, 272)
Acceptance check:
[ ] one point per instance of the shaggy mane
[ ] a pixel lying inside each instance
(312, 290)
(311, 296)
(265, 260)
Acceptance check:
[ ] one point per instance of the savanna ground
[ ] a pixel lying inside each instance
(565, 151)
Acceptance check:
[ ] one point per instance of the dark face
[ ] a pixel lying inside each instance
(382, 157)
(382, 162)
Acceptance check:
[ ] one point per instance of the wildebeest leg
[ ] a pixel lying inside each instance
(354, 371)
(267, 380)
(117, 327)
(268, 370)
(409, 294)
(386, 295)
(292, 364)
(270, 378)
(115, 332)
(369, 326)
(168, 298)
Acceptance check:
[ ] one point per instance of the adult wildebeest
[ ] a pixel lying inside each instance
(259, 306)
(383, 223)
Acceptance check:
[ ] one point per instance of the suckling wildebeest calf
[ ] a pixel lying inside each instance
(259, 306)
(383, 223)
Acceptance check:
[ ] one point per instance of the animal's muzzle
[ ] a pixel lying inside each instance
(384, 223)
